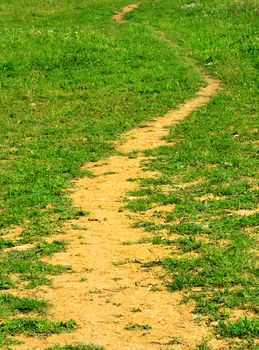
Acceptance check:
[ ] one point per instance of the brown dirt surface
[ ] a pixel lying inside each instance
(245, 212)
(14, 233)
(119, 16)
(109, 289)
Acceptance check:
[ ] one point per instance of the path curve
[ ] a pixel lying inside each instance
(120, 15)
(108, 291)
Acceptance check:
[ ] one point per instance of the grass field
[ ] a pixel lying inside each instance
(217, 217)
(71, 82)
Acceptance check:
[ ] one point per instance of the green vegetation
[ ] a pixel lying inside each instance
(10, 304)
(242, 328)
(137, 327)
(76, 347)
(215, 155)
(27, 266)
(71, 82)
(33, 326)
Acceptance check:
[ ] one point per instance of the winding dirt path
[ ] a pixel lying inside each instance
(108, 291)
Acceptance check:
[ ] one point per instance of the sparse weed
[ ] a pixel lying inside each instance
(76, 347)
(137, 327)
(135, 309)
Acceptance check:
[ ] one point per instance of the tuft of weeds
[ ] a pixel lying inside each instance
(137, 327)
(32, 326)
(243, 328)
(48, 249)
(135, 309)
(6, 243)
(28, 266)
(12, 304)
(79, 227)
(76, 347)
(203, 346)
(83, 279)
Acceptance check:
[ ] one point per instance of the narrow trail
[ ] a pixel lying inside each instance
(119, 16)
(108, 290)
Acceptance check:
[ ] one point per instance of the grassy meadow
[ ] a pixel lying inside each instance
(71, 82)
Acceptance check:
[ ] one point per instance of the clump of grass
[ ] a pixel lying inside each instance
(83, 279)
(10, 304)
(28, 266)
(79, 227)
(203, 346)
(47, 249)
(243, 328)
(137, 327)
(135, 309)
(32, 326)
(6, 243)
(76, 347)
(5, 282)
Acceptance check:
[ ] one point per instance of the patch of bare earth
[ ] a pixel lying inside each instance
(109, 290)
(245, 212)
(119, 16)
(210, 196)
(14, 233)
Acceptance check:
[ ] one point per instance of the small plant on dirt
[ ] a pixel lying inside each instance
(243, 328)
(174, 341)
(83, 279)
(137, 327)
(135, 309)
(32, 326)
(76, 347)
(203, 346)
(79, 227)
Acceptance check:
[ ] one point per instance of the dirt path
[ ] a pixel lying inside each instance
(119, 16)
(108, 291)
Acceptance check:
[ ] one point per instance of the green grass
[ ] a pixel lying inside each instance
(32, 326)
(26, 266)
(243, 328)
(76, 347)
(71, 83)
(10, 305)
(215, 144)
